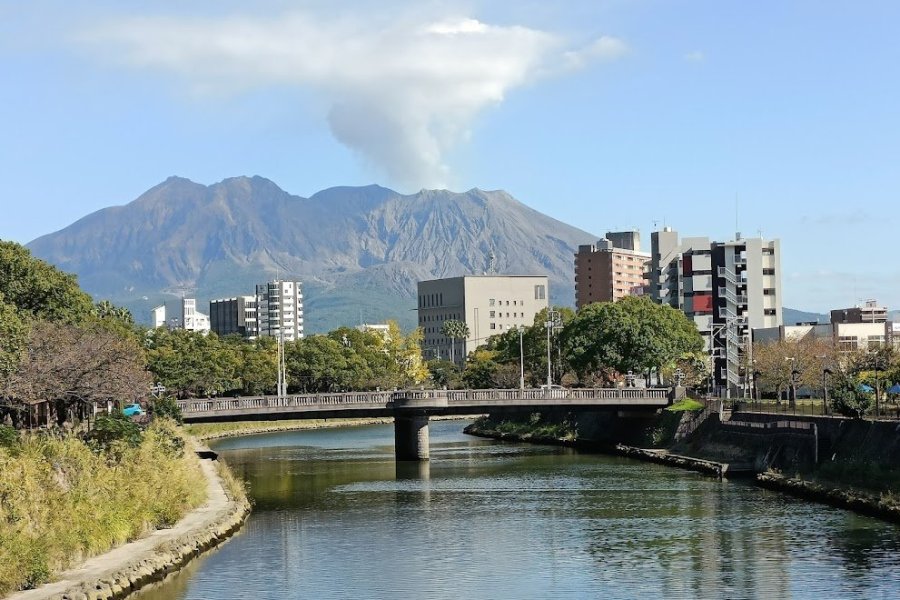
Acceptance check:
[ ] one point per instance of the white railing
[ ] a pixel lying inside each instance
(351, 400)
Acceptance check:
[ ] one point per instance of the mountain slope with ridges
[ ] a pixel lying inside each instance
(358, 250)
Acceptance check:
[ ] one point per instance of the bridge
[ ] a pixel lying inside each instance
(412, 408)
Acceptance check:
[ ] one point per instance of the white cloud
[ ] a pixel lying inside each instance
(695, 56)
(401, 93)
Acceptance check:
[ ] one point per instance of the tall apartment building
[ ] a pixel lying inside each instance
(726, 288)
(279, 309)
(229, 316)
(488, 304)
(610, 269)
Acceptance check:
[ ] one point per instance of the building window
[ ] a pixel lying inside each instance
(491, 302)
(540, 292)
(768, 271)
(493, 326)
(493, 314)
(770, 312)
(769, 292)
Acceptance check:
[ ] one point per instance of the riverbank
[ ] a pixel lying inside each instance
(659, 456)
(129, 567)
(213, 431)
(883, 506)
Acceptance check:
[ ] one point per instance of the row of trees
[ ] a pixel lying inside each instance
(191, 364)
(853, 377)
(596, 346)
(66, 354)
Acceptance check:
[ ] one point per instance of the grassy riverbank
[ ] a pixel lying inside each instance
(63, 499)
(210, 431)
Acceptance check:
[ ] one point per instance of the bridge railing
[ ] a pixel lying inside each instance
(206, 405)
(461, 396)
(292, 401)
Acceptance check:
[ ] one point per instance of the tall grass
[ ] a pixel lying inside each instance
(61, 501)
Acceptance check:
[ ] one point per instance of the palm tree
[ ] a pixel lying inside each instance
(454, 330)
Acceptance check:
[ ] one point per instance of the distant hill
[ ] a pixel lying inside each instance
(358, 250)
(792, 316)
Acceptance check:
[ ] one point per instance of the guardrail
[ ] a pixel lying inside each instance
(386, 399)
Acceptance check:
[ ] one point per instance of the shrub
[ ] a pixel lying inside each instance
(9, 437)
(111, 429)
(167, 407)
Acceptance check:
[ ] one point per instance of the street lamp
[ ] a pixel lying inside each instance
(825, 373)
(792, 399)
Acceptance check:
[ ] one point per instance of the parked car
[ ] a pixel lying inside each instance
(133, 410)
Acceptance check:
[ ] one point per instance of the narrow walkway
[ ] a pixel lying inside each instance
(116, 572)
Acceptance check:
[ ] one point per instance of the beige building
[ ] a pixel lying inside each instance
(611, 269)
(487, 304)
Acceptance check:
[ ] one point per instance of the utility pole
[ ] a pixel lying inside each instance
(521, 359)
(550, 324)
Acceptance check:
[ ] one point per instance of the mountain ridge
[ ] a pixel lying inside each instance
(359, 250)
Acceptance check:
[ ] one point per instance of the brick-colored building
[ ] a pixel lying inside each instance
(610, 269)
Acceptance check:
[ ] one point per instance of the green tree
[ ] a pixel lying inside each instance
(455, 330)
(13, 339)
(848, 397)
(633, 334)
(189, 363)
(37, 288)
(445, 374)
(320, 364)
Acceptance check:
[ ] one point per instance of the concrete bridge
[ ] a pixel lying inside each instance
(411, 408)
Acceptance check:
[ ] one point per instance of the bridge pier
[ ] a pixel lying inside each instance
(411, 437)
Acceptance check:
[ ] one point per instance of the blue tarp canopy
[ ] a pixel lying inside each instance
(866, 388)
(894, 389)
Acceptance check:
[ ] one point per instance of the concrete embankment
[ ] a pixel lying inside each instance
(660, 456)
(848, 463)
(127, 568)
(850, 499)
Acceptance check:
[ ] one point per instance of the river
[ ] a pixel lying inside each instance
(334, 517)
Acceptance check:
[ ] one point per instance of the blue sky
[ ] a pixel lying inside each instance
(603, 114)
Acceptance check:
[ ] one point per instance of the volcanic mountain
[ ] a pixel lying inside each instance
(358, 250)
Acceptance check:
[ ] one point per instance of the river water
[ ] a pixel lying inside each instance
(334, 517)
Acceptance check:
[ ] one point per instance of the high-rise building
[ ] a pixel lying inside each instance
(279, 309)
(228, 316)
(487, 304)
(191, 318)
(610, 269)
(726, 288)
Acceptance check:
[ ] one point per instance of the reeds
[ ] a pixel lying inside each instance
(61, 502)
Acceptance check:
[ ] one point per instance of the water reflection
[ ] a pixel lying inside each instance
(336, 517)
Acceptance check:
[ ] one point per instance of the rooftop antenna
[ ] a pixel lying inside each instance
(737, 229)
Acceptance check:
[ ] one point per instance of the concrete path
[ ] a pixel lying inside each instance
(127, 567)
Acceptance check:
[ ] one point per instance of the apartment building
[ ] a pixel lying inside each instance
(611, 269)
(279, 309)
(191, 318)
(726, 288)
(230, 316)
(488, 304)
(869, 312)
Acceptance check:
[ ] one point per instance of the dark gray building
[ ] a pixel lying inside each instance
(229, 316)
